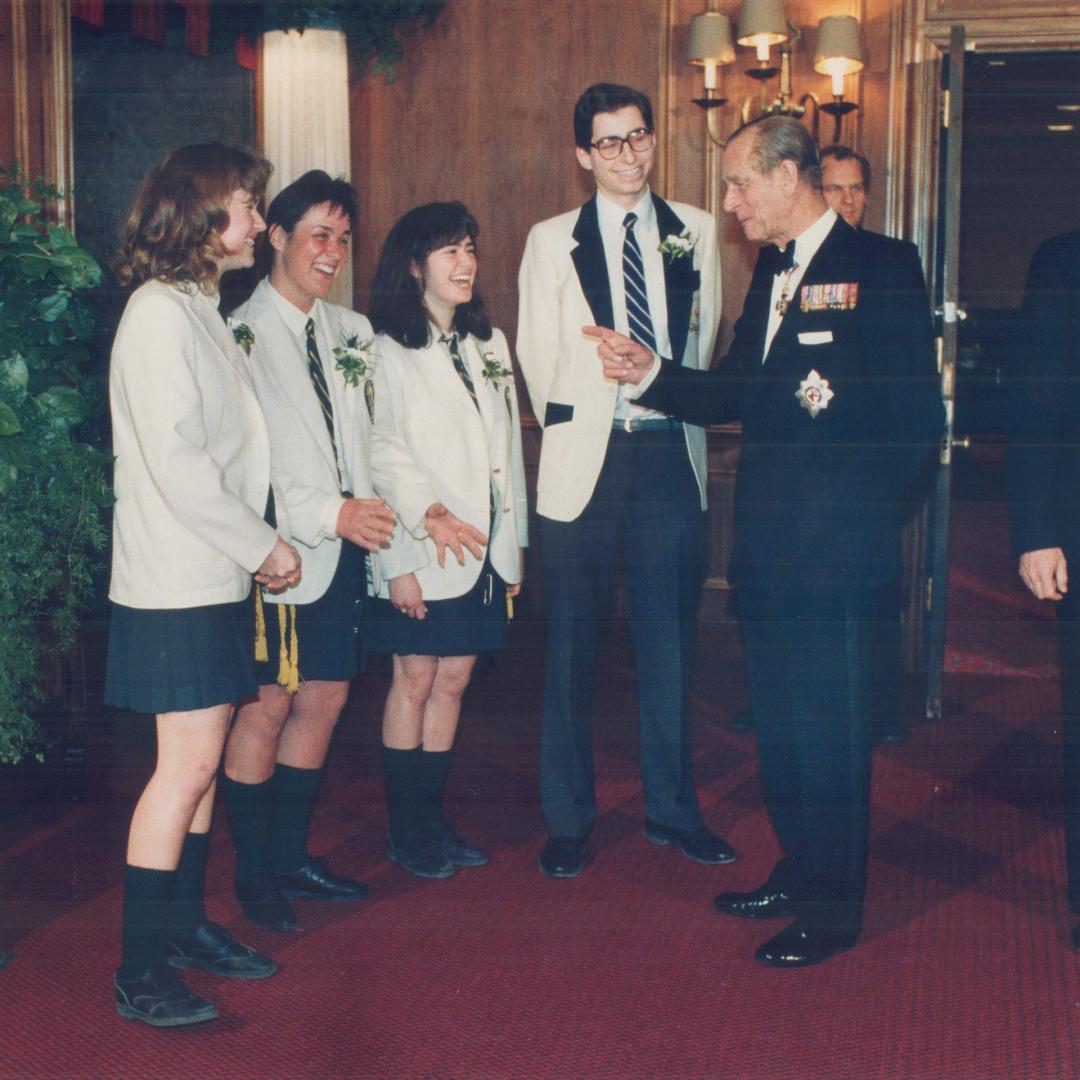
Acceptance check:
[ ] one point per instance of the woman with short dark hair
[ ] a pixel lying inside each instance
(446, 454)
(192, 484)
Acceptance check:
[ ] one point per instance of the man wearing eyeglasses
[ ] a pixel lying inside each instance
(616, 478)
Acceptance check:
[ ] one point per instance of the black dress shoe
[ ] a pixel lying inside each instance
(563, 856)
(768, 902)
(211, 947)
(157, 997)
(314, 882)
(742, 721)
(422, 856)
(802, 944)
(891, 733)
(698, 844)
(264, 903)
(459, 852)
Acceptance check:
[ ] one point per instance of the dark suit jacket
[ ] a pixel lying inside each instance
(1043, 415)
(817, 497)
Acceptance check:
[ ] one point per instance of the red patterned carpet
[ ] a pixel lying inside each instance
(964, 971)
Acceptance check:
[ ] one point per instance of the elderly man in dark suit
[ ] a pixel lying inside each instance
(832, 373)
(1043, 428)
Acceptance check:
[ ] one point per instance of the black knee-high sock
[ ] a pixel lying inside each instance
(146, 901)
(250, 808)
(434, 767)
(404, 793)
(294, 800)
(187, 909)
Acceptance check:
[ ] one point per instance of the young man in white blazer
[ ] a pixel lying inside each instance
(615, 476)
(311, 364)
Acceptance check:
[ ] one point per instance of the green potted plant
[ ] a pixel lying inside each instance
(54, 486)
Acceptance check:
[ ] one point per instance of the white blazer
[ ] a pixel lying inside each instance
(306, 487)
(432, 445)
(192, 456)
(563, 286)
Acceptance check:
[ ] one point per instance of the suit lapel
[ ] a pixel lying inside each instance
(591, 265)
(679, 280)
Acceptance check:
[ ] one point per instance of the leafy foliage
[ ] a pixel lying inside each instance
(371, 27)
(53, 484)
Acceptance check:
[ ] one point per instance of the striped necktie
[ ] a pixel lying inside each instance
(322, 391)
(637, 299)
(451, 342)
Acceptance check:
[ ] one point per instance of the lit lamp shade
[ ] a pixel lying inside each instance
(710, 44)
(761, 24)
(839, 51)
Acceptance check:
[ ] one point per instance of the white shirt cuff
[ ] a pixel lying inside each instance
(631, 392)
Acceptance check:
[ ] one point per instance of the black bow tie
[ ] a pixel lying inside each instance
(782, 260)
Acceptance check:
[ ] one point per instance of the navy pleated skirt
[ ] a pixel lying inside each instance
(179, 659)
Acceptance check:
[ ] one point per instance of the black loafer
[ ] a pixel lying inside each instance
(313, 881)
(264, 903)
(802, 944)
(698, 844)
(768, 902)
(210, 947)
(563, 857)
(425, 859)
(157, 997)
(459, 852)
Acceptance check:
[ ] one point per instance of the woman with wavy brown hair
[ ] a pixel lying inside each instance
(192, 486)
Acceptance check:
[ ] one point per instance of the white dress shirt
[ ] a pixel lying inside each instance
(787, 282)
(647, 232)
(296, 321)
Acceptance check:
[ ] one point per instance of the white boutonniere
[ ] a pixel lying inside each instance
(494, 372)
(677, 247)
(243, 335)
(355, 358)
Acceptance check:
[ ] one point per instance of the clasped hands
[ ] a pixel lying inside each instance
(624, 360)
(280, 569)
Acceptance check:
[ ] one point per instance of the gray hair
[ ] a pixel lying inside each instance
(783, 138)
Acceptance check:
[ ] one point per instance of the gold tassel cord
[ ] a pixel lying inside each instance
(288, 649)
(262, 651)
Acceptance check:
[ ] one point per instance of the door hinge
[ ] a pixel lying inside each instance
(945, 108)
(929, 594)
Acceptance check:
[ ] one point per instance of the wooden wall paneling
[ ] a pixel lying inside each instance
(961, 10)
(475, 115)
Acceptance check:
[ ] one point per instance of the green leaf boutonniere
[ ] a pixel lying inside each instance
(355, 358)
(678, 247)
(244, 335)
(494, 372)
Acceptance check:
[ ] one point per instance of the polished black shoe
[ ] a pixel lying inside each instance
(563, 856)
(803, 944)
(742, 721)
(210, 947)
(891, 734)
(421, 856)
(768, 902)
(698, 844)
(157, 997)
(313, 881)
(459, 852)
(264, 903)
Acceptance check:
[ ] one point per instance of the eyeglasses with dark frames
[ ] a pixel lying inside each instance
(610, 146)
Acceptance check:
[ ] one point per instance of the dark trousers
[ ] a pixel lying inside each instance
(809, 665)
(1068, 616)
(646, 502)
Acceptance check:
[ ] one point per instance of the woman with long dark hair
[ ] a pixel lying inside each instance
(192, 486)
(446, 454)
